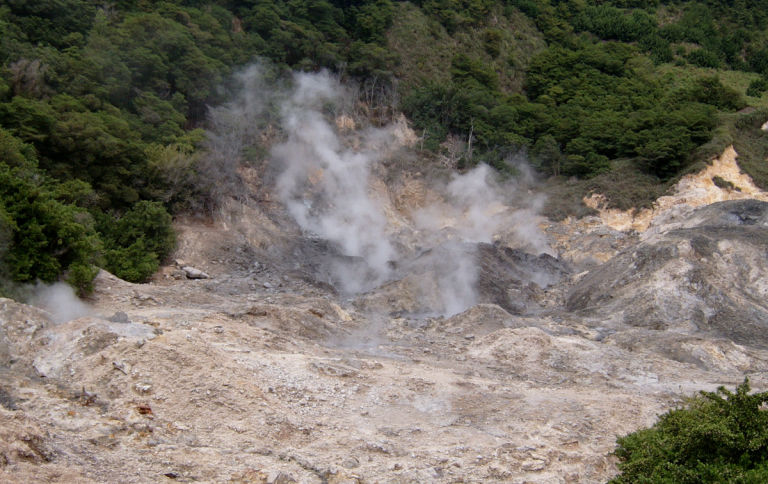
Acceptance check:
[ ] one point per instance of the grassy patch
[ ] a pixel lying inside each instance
(751, 143)
(564, 199)
(724, 184)
(743, 131)
(722, 138)
(424, 47)
(624, 187)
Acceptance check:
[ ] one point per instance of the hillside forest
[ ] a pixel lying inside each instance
(103, 105)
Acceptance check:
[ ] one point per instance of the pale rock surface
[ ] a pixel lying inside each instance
(694, 190)
(193, 273)
(267, 374)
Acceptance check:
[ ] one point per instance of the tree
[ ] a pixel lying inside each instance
(138, 241)
(48, 238)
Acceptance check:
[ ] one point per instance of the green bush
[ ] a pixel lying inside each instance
(751, 143)
(138, 241)
(724, 184)
(717, 437)
(133, 263)
(615, 24)
(710, 90)
(704, 58)
(757, 87)
(492, 40)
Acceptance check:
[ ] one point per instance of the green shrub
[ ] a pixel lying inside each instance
(757, 87)
(138, 241)
(751, 143)
(492, 39)
(626, 186)
(546, 155)
(613, 23)
(724, 184)
(80, 276)
(133, 263)
(704, 58)
(586, 166)
(710, 90)
(716, 437)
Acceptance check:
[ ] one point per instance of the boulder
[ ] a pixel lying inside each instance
(193, 273)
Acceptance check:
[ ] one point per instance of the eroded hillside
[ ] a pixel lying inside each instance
(272, 370)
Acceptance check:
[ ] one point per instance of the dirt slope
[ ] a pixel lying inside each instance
(266, 373)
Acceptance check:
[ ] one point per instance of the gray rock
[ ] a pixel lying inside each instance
(704, 275)
(280, 477)
(515, 279)
(193, 273)
(120, 317)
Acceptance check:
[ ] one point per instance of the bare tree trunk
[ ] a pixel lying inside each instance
(469, 139)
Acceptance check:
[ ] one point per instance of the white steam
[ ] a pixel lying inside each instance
(324, 184)
(472, 213)
(324, 181)
(477, 209)
(232, 128)
(521, 229)
(473, 208)
(454, 265)
(60, 301)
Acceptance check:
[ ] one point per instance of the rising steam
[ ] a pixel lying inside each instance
(60, 301)
(323, 180)
(472, 213)
(324, 185)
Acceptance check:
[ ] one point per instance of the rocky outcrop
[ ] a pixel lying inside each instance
(516, 280)
(720, 180)
(702, 273)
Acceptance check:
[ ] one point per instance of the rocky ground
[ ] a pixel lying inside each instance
(260, 371)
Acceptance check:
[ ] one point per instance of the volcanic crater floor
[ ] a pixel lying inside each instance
(261, 375)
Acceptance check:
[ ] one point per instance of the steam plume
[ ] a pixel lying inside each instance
(324, 185)
(60, 301)
(232, 128)
(470, 215)
(323, 179)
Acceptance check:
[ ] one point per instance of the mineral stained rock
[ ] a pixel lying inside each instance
(275, 376)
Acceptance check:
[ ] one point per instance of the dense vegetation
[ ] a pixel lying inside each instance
(103, 104)
(717, 437)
